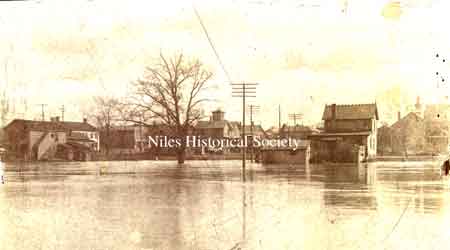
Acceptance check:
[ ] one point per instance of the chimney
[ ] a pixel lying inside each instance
(399, 116)
(57, 119)
(333, 111)
(84, 120)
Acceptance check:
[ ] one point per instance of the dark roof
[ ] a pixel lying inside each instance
(340, 134)
(405, 119)
(297, 128)
(49, 125)
(78, 126)
(351, 112)
(212, 124)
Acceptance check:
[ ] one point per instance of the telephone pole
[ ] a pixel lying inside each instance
(243, 90)
(62, 112)
(279, 117)
(295, 117)
(43, 105)
(253, 108)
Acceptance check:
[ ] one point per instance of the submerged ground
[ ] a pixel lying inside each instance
(205, 205)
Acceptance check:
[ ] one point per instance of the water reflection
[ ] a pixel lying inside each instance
(157, 205)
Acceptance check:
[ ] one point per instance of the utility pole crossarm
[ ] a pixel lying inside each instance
(43, 105)
(243, 90)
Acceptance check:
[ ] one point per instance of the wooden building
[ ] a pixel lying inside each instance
(347, 128)
(39, 140)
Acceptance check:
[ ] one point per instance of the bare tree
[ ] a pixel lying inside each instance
(170, 91)
(106, 114)
(4, 108)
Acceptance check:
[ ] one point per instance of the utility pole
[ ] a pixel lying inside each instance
(243, 90)
(256, 109)
(62, 112)
(279, 118)
(295, 117)
(42, 110)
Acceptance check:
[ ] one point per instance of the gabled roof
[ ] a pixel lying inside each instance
(410, 116)
(56, 126)
(78, 126)
(351, 112)
(212, 124)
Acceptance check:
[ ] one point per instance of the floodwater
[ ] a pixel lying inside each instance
(205, 205)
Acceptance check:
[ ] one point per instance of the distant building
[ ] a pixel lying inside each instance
(297, 131)
(347, 129)
(40, 140)
(124, 139)
(255, 130)
(437, 121)
(272, 132)
(407, 135)
(217, 127)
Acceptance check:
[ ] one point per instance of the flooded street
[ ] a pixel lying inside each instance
(204, 205)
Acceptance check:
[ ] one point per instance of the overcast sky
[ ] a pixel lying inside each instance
(303, 54)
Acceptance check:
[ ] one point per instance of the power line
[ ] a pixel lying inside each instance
(211, 43)
(62, 112)
(243, 90)
(295, 117)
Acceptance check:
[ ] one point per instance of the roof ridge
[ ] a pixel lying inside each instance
(351, 104)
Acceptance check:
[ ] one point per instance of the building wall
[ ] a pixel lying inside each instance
(300, 156)
(34, 136)
(93, 135)
(349, 125)
(49, 143)
(340, 149)
(15, 135)
(356, 125)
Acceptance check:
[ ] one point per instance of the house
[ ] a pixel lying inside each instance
(39, 140)
(296, 131)
(217, 127)
(407, 135)
(347, 128)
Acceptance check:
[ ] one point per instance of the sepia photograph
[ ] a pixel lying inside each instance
(224, 124)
